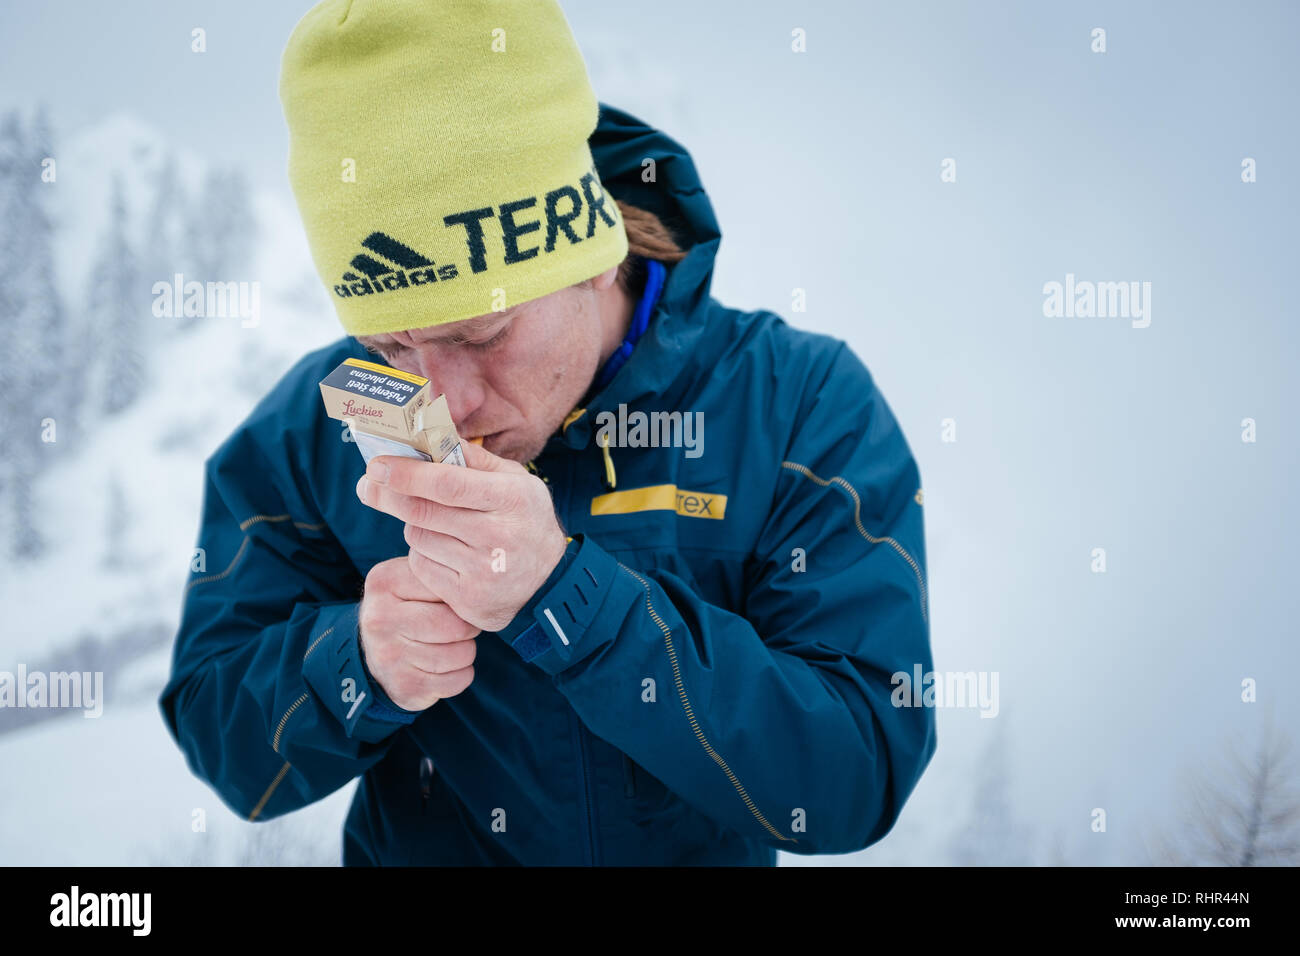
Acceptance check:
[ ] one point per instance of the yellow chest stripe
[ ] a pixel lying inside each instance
(693, 504)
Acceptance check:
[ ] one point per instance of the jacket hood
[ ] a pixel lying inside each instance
(620, 146)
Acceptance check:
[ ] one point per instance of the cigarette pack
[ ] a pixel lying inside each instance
(389, 412)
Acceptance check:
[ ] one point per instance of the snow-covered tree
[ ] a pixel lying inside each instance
(163, 243)
(35, 379)
(992, 834)
(119, 307)
(1242, 811)
(116, 524)
(10, 290)
(221, 229)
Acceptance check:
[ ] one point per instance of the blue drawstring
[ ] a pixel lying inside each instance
(654, 283)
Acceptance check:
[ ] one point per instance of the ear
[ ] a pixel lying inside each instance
(606, 279)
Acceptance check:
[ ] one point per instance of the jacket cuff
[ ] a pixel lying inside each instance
(524, 619)
(558, 625)
(384, 707)
(335, 671)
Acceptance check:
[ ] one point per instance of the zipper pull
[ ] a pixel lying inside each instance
(426, 780)
(609, 463)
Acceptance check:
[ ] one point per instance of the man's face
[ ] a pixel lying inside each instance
(510, 376)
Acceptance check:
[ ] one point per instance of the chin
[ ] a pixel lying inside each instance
(522, 453)
(502, 447)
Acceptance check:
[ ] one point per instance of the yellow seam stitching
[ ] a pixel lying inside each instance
(324, 634)
(275, 742)
(269, 790)
(247, 522)
(857, 511)
(238, 554)
(217, 577)
(244, 525)
(690, 713)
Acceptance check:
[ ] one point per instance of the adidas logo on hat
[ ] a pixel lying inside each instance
(481, 141)
(404, 268)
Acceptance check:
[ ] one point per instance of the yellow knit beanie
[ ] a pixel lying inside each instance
(438, 153)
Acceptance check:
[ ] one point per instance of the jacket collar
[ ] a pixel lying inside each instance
(620, 145)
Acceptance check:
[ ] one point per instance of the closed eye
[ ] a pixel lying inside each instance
(495, 340)
(488, 343)
(386, 352)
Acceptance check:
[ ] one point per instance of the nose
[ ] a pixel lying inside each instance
(454, 372)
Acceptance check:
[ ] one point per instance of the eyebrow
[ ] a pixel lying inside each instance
(458, 336)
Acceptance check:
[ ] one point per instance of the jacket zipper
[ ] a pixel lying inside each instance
(585, 797)
(629, 777)
(585, 793)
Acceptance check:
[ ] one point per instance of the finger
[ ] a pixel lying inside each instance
(421, 512)
(443, 548)
(415, 686)
(395, 578)
(451, 684)
(437, 577)
(440, 658)
(425, 622)
(444, 483)
(480, 459)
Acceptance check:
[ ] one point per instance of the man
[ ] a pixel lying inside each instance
(603, 642)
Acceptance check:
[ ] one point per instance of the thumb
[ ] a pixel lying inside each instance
(480, 459)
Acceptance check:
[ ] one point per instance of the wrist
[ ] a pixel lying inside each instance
(524, 616)
(382, 707)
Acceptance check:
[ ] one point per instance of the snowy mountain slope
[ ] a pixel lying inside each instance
(201, 384)
(116, 789)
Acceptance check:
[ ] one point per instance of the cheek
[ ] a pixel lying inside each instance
(543, 361)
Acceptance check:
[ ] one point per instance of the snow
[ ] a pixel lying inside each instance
(203, 383)
(78, 781)
(115, 791)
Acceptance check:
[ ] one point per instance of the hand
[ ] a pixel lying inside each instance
(483, 538)
(416, 647)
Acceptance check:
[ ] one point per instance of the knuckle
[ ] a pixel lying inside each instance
(449, 685)
(470, 590)
(382, 657)
(419, 512)
(457, 656)
(380, 576)
(455, 484)
(371, 619)
(514, 496)
(418, 563)
(414, 688)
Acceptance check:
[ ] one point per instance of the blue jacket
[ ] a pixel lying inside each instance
(705, 679)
